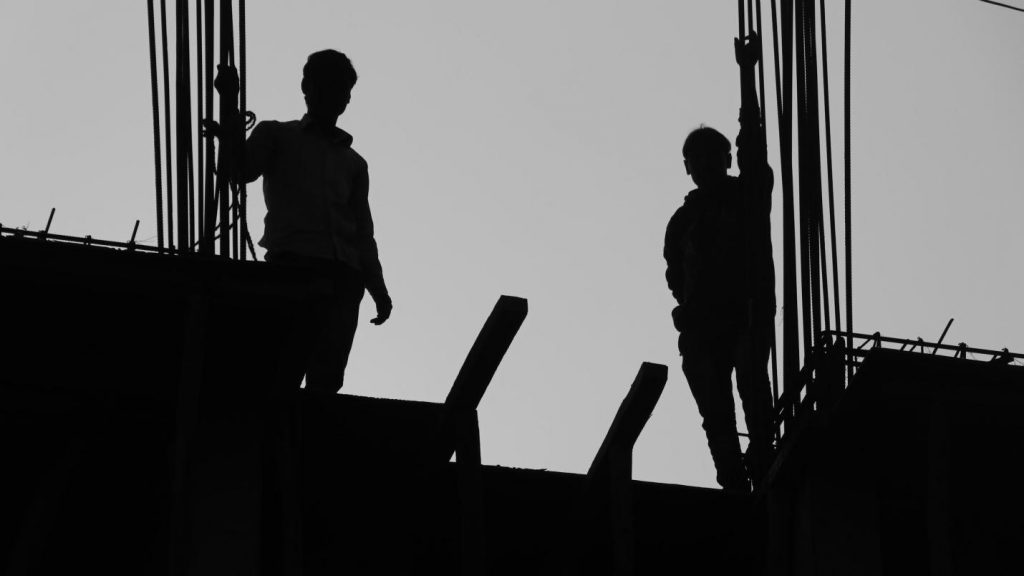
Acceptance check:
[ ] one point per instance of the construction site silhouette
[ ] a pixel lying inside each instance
(195, 451)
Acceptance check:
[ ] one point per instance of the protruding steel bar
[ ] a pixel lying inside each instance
(943, 337)
(155, 94)
(791, 351)
(49, 220)
(183, 125)
(167, 125)
(201, 80)
(243, 222)
(226, 109)
(210, 185)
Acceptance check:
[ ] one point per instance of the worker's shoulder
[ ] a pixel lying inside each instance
(357, 156)
(684, 211)
(273, 127)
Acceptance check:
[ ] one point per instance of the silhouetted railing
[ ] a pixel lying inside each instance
(47, 236)
(825, 375)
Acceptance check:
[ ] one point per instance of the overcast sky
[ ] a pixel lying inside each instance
(531, 148)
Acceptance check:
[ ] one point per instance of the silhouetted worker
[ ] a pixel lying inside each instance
(720, 271)
(318, 214)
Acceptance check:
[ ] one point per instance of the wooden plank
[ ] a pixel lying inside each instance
(473, 561)
(633, 413)
(487, 352)
(608, 492)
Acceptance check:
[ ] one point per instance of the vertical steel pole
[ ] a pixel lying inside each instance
(210, 186)
(200, 147)
(226, 109)
(790, 335)
(243, 193)
(167, 125)
(156, 124)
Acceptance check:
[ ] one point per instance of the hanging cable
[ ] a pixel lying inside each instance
(184, 124)
(154, 89)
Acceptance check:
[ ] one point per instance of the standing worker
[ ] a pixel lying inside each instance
(318, 214)
(720, 271)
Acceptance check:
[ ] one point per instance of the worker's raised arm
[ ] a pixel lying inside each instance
(751, 148)
(231, 132)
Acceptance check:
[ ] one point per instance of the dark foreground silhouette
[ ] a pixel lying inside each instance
(720, 271)
(318, 213)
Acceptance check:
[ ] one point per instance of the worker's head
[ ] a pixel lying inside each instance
(707, 155)
(327, 81)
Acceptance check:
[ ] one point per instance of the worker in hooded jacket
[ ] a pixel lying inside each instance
(720, 271)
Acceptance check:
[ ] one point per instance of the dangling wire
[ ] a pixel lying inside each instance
(156, 125)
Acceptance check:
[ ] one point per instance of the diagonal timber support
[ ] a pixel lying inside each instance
(608, 493)
(460, 432)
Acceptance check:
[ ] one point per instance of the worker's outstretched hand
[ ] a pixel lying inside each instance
(384, 306)
(748, 50)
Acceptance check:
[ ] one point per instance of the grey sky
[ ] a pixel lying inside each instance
(532, 148)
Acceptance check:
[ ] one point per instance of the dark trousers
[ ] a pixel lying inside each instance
(335, 319)
(710, 354)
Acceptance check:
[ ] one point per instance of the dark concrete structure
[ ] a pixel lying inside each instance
(149, 424)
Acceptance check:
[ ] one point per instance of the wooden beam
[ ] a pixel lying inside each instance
(608, 492)
(633, 413)
(487, 352)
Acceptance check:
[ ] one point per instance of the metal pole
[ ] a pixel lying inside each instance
(155, 92)
(200, 148)
(243, 221)
(226, 109)
(167, 125)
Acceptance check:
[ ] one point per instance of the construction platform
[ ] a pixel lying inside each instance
(150, 422)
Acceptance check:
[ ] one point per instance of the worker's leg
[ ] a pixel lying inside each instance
(326, 371)
(753, 347)
(707, 366)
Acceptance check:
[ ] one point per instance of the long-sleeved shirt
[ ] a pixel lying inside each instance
(718, 244)
(316, 189)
